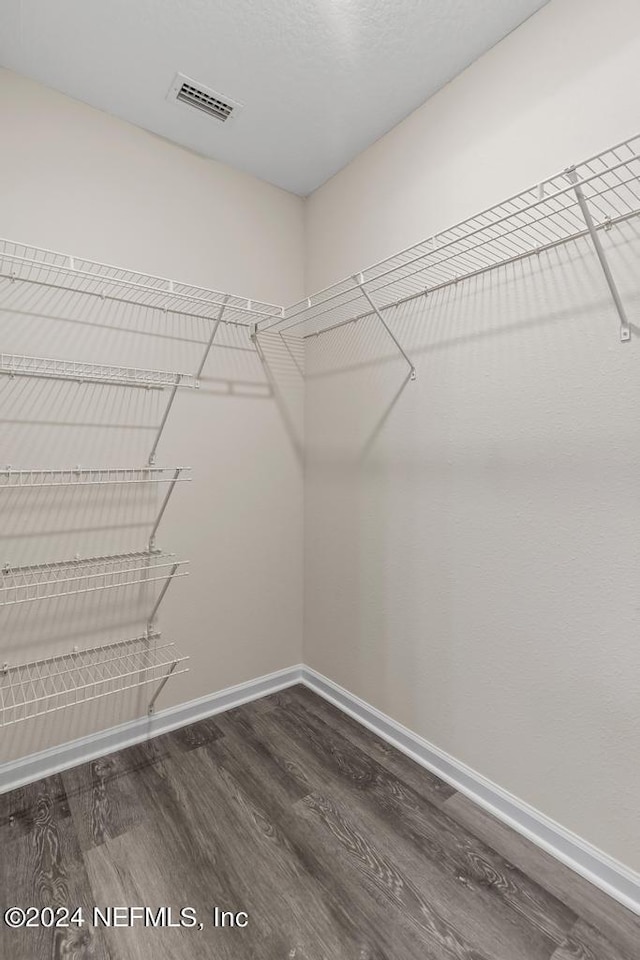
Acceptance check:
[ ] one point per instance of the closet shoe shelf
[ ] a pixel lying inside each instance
(51, 581)
(17, 366)
(43, 686)
(81, 477)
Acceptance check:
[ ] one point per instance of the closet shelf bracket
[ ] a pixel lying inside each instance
(163, 507)
(154, 613)
(365, 293)
(572, 176)
(216, 324)
(152, 703)
(165, 417)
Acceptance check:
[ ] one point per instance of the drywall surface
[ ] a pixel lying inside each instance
(77, 180)
(472, 539)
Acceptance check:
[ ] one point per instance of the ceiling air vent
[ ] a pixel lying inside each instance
(193, 94)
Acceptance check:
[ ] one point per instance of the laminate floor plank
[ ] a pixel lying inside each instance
(19, 808)
(104, 795)
(616, 923)
(42, 866)
(196, 734)
(399, 895)
(337, 846)
(586, 943)
(470, 870)
(367, 932)
(425, 783)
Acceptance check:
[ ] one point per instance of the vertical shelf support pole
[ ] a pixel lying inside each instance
(572, 177)
(365, 294)
(163, 423)
(216, 324)
(152, 536)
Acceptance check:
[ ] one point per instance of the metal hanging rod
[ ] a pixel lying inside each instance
(527, 223)
(40, 687)
(51, 581)
(40, 367)
(80, 477)
(19, 261)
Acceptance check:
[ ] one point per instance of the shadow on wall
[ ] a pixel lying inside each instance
(59, 424)
(442, 515)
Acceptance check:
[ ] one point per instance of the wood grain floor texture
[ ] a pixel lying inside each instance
(336, 845)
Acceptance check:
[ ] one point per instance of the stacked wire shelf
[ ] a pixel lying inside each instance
(32, 689)
(43, 686)
(51, 581)
(20, 262)
(83, 477)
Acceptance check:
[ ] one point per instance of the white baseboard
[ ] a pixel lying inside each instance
(56, 759)
(609, 875)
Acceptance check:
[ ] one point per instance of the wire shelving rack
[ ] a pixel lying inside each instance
(13, 365)
(583, 200)
(44, 686)
(20, 262)
(50, 581)
(51, 683)
(11, 479)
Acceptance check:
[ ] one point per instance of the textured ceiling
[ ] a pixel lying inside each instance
(320, 79)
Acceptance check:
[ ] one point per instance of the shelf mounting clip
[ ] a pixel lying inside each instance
(572, 176)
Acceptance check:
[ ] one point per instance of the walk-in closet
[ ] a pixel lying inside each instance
(319, 523)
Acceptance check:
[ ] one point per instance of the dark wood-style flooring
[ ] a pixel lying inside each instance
(336, 845)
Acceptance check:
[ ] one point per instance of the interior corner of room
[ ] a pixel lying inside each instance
(385, 490)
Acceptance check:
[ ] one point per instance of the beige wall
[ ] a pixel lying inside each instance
(472, 538)
(77, 180)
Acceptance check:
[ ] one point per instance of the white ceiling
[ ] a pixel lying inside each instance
(320, 79)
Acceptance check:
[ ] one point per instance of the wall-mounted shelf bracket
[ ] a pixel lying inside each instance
(572, 177)
(365, 293)
(216, 324)
(154, 613)
(163, 422)
(253, 331)
(160, 688)
(163, 507)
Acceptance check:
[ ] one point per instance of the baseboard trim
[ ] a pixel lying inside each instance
(609, 875)
(593, 864)
(16, 773)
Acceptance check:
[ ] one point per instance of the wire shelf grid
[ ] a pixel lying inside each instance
(23, 262)
(43, 686)
(13, 365)
(80, 477)
(50, 581)
(539, 218)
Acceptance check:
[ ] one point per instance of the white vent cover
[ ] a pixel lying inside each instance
(194, 94)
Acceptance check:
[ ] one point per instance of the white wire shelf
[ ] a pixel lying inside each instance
(80, 477)
(47, 581)
(13, 365)
(530, 222)
(21, 262)
(44, 686)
